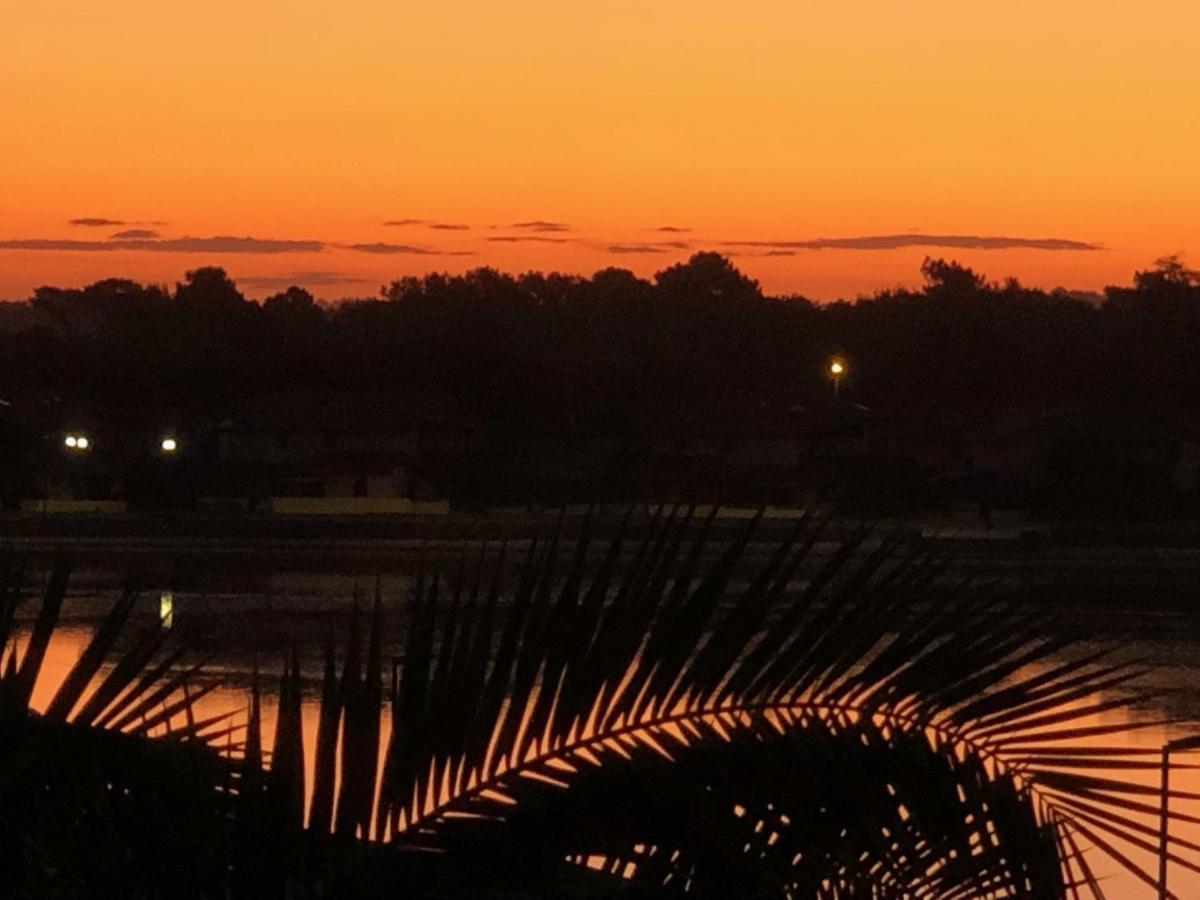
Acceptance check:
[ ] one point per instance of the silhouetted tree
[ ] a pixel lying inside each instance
(615, 285)
(210, 290)
(293, 306)
(1169, 272)
(950, 279)
(707, 277)
(112, 302)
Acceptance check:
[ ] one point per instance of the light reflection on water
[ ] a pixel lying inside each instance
(239, 632)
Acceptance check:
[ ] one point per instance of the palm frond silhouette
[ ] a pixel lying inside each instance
(665, 710)
(827, 719)
(116, 788)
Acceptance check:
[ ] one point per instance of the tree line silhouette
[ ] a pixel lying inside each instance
(699, 350)
(698, 343)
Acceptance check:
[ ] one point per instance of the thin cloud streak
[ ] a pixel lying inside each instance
(900, 241)
(299, 279)
(427, 223)
(104, 222)
(527, 238)
(653, 247)
(217, 244)
(385, 249)
(139, 240)
(97, 222)
(671, 229)
(635, 248)
(134, 234)
(541, 225)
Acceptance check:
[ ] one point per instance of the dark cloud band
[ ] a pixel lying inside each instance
(302, 279)
(541, 225)
(134, 234)
(384, 249)
(97, 222)
(526, 238)
(654, 247)
(900, 241)
(427, 223)
(104, 222)
(143, 241)
(218, 244)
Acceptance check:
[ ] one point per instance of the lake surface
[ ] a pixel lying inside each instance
(239, 630)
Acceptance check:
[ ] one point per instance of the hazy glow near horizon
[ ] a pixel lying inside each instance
(759, 122)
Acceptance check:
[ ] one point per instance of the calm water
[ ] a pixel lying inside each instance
(240, 630)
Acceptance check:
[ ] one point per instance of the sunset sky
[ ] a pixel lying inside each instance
(829, 146)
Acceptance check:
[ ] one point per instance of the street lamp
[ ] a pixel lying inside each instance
(168, 445)
(837, 368)
(77, 442)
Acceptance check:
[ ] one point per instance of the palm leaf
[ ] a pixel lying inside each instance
(97, 808)
(17, 699)
(671, 664)
(77, 680)
(325, 765)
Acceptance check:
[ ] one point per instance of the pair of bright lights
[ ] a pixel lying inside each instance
(82, 442)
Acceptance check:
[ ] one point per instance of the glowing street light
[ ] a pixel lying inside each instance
(837, 368)
(168, 445)
(77, 442)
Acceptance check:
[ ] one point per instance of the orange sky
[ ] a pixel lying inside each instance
(761, 120)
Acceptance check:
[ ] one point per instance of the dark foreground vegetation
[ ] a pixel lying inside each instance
(694, 382)
(637, 727)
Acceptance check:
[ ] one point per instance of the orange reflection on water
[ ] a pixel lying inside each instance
(68, 643)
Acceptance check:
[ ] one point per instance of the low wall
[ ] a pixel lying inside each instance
(73, 506)
(734, 512)
(341, 506)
